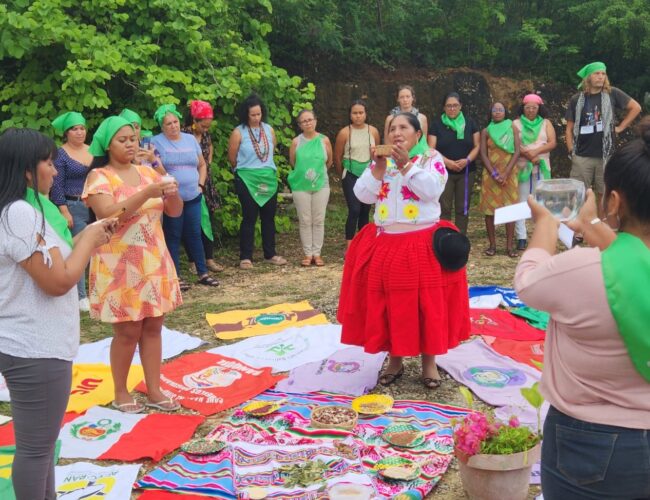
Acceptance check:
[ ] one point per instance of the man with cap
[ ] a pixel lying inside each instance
(591, 129)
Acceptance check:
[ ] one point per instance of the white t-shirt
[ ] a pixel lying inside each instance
(33, 324)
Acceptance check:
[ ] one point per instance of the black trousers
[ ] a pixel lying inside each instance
(358, 213)
(250, 210)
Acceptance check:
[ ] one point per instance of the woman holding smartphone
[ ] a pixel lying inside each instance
(146, 155)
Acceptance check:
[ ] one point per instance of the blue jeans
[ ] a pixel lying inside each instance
(80, 216)
(186, 227)
(581, 460)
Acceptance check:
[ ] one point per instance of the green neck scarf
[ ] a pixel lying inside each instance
(420, 148)
(262, 183)
(530, 129)
(310, 170)
(51, 213)
(502, 135)
(457, 124)
(354, 166)
(206, 223)
(626, 272)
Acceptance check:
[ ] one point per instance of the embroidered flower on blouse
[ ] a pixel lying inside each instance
(411, 211)
(440, 167)
(407, 194)
(383, 191)
(382, 211)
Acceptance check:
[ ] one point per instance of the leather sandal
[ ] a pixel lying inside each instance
(214, 267)
(387, 379)
(431, 383)
(245, 264)
(208, 281)
(184, 285)
(490, 252)
(306, 262)
(512, 253)
(319, 261)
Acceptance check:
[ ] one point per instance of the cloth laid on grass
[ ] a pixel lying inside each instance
(349, 371)
(210, 383)
(509, 297)
(104, 434)
(173, 344)
(6, 461)
(170, 495)
(83, 480)
(500, 323)
(92, 385)
(7, 437)
(212, 474)
(494, 378)
(285, 350)
(520, 350)
(4, 390)
(4, 419)
(535, 318)
(485, 301)
(252, 322)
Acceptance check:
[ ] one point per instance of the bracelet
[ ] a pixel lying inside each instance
(154, 164)
(595, 221)
(468, 161)
(494, 174)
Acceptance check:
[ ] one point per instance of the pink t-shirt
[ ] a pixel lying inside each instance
(587, 373)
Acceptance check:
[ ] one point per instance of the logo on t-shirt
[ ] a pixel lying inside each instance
(490, 376)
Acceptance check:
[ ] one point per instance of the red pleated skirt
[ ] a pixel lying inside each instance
(396, 298)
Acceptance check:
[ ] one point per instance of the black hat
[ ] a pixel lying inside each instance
(451, 248)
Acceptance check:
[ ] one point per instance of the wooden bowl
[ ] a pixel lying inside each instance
(320, 413)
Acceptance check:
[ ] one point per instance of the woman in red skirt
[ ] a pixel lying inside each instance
(395, 295)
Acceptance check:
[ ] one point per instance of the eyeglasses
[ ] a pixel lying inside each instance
(498, 110)
(532, 106)
(307, 120)
(452, 106)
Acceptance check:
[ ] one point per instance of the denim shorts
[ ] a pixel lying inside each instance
(582, 460)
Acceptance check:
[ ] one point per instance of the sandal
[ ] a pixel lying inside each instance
(245, 264)
(164, 405)
(387, 379)
(276, 260)
(214, 267)
(306, 262)
(512, 253)
(184, 285)
(132, 407)
(319, 261)
(208, 281)
(431, 383)
(490, 252)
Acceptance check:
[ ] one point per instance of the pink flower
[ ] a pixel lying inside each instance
(440, 167)
(407, 194)
(513, 422)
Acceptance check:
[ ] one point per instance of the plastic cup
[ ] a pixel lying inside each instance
(562, 197)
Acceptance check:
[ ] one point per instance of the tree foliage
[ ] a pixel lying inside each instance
(539, 38)
(99, 56)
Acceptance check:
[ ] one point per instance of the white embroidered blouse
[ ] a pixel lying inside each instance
(410, 199)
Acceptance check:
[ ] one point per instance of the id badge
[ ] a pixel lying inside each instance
(586, 129)
(599, 126)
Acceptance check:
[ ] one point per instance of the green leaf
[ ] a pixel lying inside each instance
(533, 395)
(467, 395)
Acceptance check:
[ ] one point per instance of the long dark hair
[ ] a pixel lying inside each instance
(411, 118)
(250, 102)
(21, 150)
(356, 102)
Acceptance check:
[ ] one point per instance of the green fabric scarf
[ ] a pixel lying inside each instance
(420, 147)
(355, 167)
(68, 120)
(262, 183)
(131, 116)
(530, 130)
(535, 318)
(206, 223)
(51, 213)
(310, 170)
(502, 135)
(105, 132)
(163, 110)
(626, 273)
(457, 124)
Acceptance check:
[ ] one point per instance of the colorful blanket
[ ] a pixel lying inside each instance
(88, 481)
(212, 474)
(210, 383)
(509, 297)
(6, 461)
(500, 323)
(285, 350)
(92, 385)
(523, 351)
(104, 434)
(252, 322)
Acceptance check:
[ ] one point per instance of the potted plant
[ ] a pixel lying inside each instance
(495, 458)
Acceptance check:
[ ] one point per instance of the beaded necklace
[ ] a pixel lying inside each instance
(262, 153)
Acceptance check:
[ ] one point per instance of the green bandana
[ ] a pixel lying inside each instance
(535, 318)
(355, 167)
(105, 132)
(626, 272)
(206, 223)
(262, 183)
(310, 170)
(502, 135)
(590, 68)
(529, 133)
(51, 213)
(163, 110)
(146, 133)
(457, 124)
(419, 148)
(131, 116)
(68, 120)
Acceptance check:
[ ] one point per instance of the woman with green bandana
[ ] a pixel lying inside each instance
(133, 282)
(310, 155)
(72, 163)
(458, 140)
(499, 152)
(250, 152)
(596, 372)
(351, 158)
(40, 264)
(537, 137)
(146, 155)
(183, 159)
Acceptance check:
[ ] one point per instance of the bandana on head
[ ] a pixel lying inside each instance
(534, 98)
(146, 133)
(68, 120)
(105, 132)
(590, 68)
(131, 116)
(163, 110)
(201, 110)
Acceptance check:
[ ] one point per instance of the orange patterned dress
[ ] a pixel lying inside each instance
(493, 194)
(132, 277)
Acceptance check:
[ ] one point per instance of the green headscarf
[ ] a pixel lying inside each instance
(456, 124)
(131, 116)
(105, 132)
(160, 113)
(51, 213)
(146, 133)
(68, 120)
(590, 68)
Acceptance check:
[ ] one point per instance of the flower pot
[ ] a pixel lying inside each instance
(497, 477)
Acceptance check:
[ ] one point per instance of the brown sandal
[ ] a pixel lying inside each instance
(490, 252)
(306, 262)
(431, 383)
(319, 261)
(387, 379)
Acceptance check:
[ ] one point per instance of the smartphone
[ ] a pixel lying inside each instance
(145, 143)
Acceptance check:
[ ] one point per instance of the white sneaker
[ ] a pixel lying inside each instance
(84, 305)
